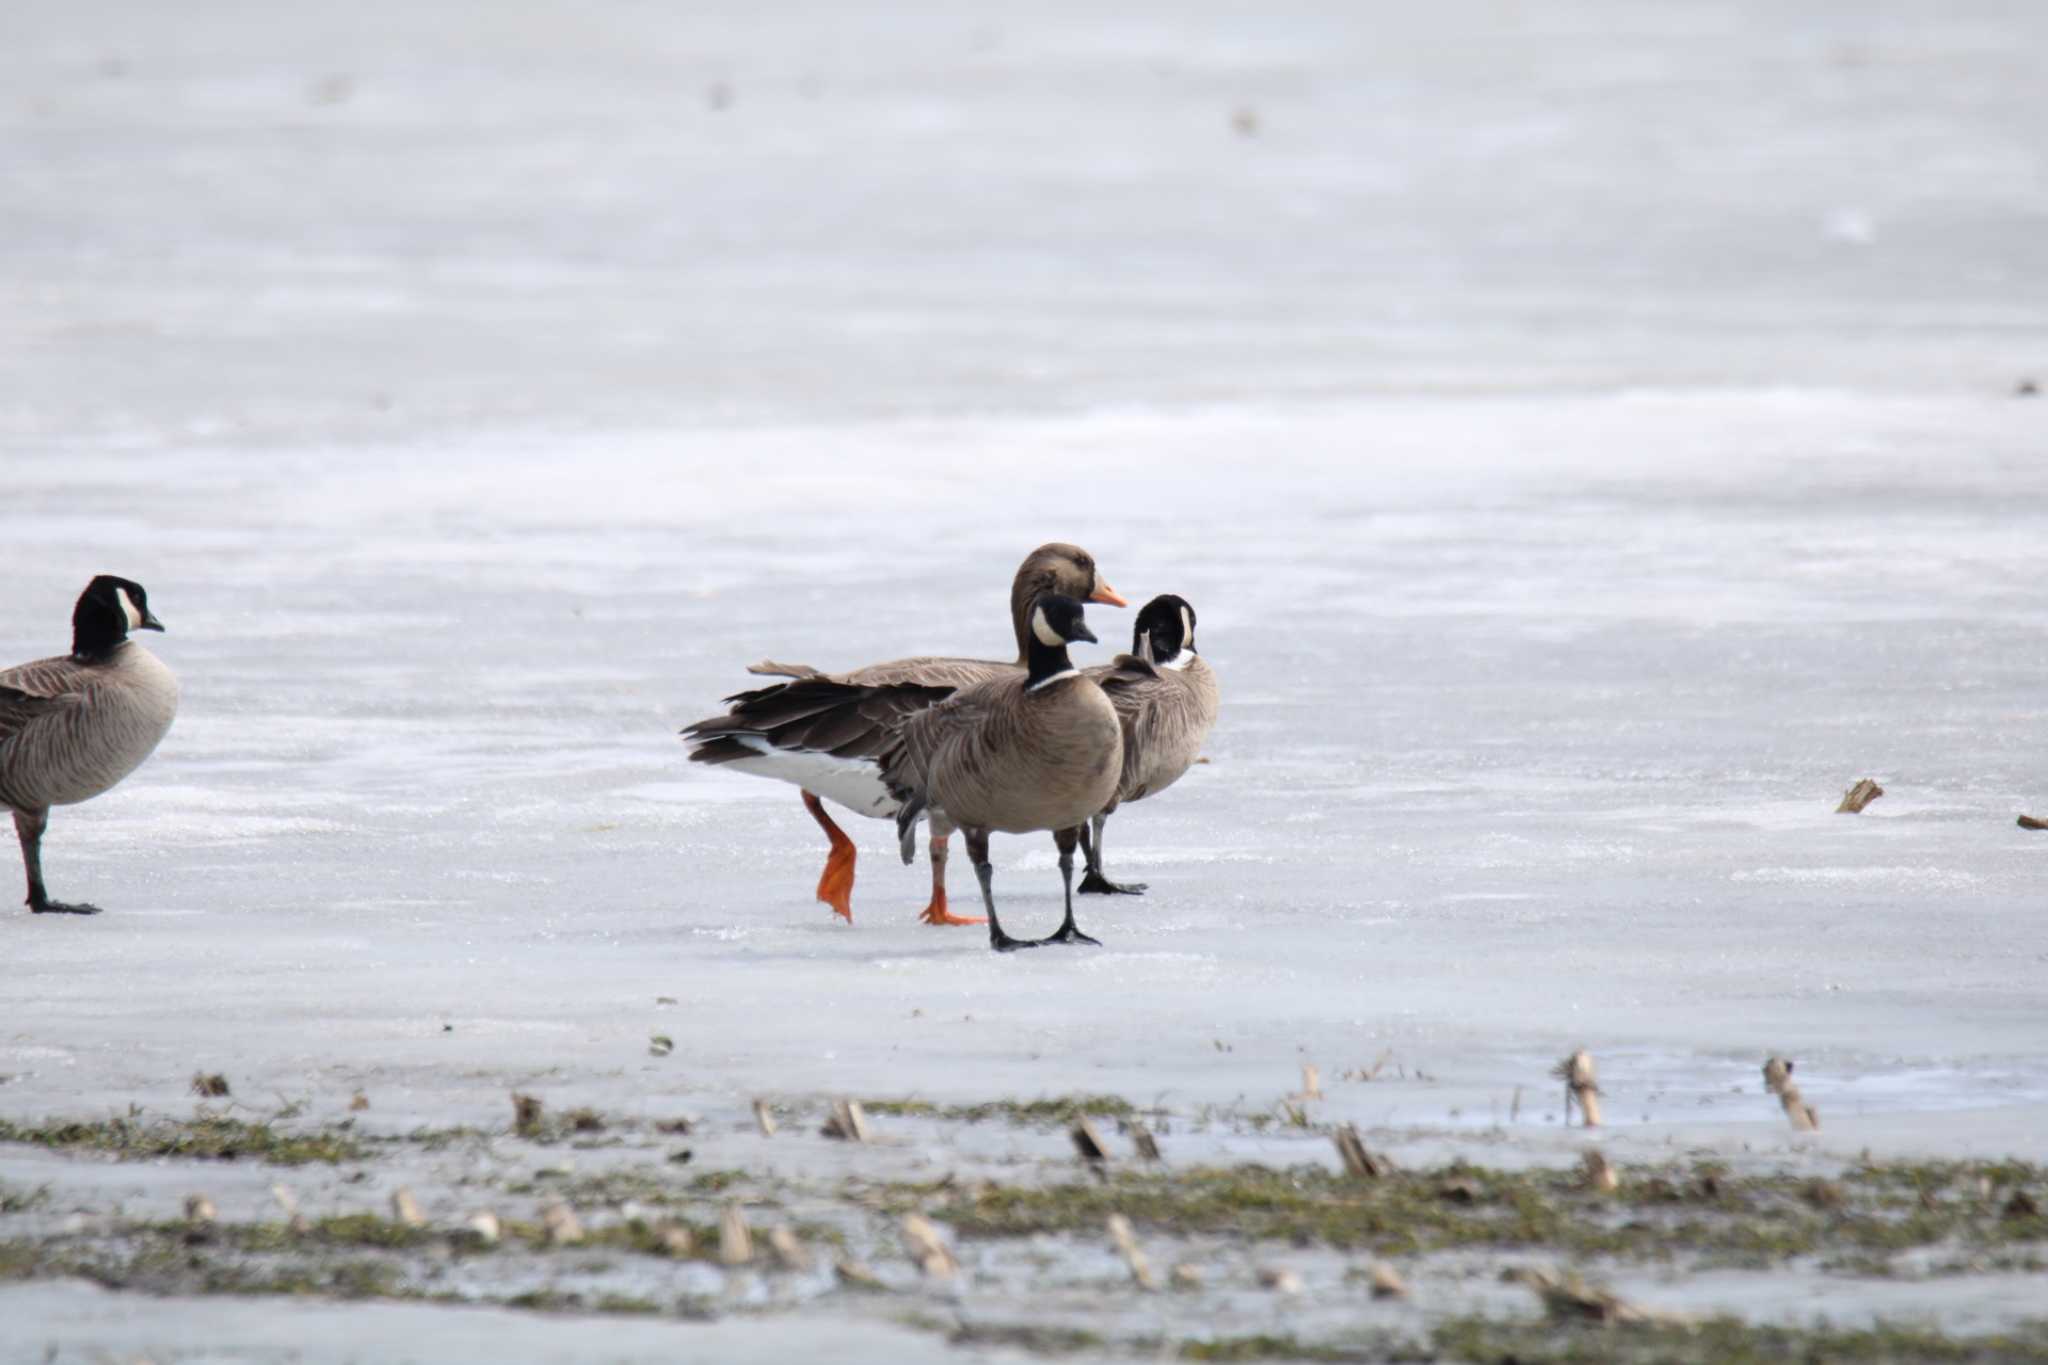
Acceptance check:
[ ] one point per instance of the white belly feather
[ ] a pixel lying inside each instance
(854, 783)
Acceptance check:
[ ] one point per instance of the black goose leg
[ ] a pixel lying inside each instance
(1067, 933)
(29, 825)
(1095, 884)
(977, 853)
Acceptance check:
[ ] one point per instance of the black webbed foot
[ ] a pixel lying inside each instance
(49, 907)
(1095, 884)
(1003, 943)
(1069, 934)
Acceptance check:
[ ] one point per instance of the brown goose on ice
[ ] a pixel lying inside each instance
(74, 725)
(1166, 696)
(1041, 751)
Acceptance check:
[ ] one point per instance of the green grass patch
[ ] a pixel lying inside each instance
(205, 1138)
(1063, 1109)
(1659, 1214)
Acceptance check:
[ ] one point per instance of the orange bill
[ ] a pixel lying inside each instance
(1107, 595)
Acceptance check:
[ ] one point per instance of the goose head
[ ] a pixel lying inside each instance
(1164, 628)
(1067, 570)
(107, 610)
(1057, 619)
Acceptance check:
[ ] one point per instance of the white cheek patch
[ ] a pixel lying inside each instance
(1187, 629)
(128, 606)
(1040, 627)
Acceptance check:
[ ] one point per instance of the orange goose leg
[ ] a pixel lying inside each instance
(835, 884)
(936, 912)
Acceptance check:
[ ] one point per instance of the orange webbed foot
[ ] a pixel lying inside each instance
(835, 887)
(835, 884)
(937, 914)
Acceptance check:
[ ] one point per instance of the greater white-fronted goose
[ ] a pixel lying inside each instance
(819, 731)
(1017, 753)
(1166, 696)
(74, 725)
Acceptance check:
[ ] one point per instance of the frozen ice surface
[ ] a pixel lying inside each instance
(1586, 431)
(1527, 745)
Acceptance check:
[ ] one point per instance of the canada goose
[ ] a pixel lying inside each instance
(1166, 697)
(817, 730)
(1016, 754)
(73, 726)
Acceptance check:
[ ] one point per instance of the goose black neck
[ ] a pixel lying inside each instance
(1044, 661)
(1023, 592)
(95, 635)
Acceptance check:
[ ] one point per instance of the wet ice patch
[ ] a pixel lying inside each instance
(1919, 878)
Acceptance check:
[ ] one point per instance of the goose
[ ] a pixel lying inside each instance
(1165, 695)
(818, 730)
(74, 725)
(1016, 753)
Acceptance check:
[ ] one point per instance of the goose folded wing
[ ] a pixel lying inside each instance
(20, 707)
(811, 715)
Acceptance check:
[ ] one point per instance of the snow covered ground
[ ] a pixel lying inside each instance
(1587, 431)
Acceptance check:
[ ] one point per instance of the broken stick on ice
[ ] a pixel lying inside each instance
(847, 1122)
(1359, 1164)
(735, 1239)
(406, 1209)
(1778, 1080)
(1859, 796)
(1580, 1084)
(1127, 1244)
(927, 1248)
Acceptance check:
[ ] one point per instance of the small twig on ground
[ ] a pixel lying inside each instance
(927, 1248)
(1859, 796)
(787, 1248)
(1580, 1085)
(1127, 1244)
(1778, 1080)
(1359, 1164)
(735, 1239)
(1088, 1142)
(564, 1228)
(406, 1209)
(1279, 1279)
(847, 1123)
